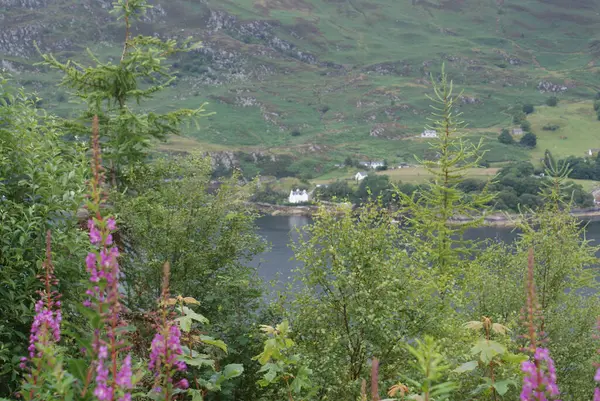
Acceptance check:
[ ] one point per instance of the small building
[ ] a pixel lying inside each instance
(297, 196)
(403, 165)
(592, 151)
(517, 131)
(429, 133)
(361, 175)
(372, 164)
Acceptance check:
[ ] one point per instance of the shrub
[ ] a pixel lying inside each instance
(529, 140)
(324, 109)
(528, 108)
(506, 138)
(551, 127)
(597, 105)
(552, 101)
(296, 133)
(526, 126)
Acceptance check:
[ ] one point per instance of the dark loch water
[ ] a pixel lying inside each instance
(279, 231)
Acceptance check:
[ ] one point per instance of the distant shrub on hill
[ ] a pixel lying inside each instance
(506, 138)
(552, 101)
(528, 108)
(551, 127)
(529, 140)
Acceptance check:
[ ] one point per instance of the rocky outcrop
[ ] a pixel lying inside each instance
(260, 30)
(547, 86)
(19, 41)
(400, 68)
(225, 159)
(28, 4)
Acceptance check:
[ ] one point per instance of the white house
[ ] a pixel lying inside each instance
(372, 165)
(517, 131)
(297, 196)
(593, 151)
(429, 133)
(361, 175)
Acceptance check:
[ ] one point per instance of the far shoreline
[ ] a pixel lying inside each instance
(499, 219)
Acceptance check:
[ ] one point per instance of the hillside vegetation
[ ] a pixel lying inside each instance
(323, 79)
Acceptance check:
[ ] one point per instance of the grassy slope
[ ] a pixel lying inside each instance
(475, 38)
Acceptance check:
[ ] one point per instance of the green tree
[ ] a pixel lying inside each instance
(112, 92)
(552, 101)
(208, 237)
(375, 186)
(526, 126)
(528, 108)
(529, 140)
(42, 179)
(355, 298)
(505, 137)
(339, 190)
(429, 215)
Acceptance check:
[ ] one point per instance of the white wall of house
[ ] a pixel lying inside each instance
(297, 196)
(360, 176)
(429, 133)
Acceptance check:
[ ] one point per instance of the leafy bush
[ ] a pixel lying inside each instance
(296, 132)
(505, 137)
(528, 140)
(526, 126)
(552, 101)
(528, 108)
(551, 127)
(41, 188)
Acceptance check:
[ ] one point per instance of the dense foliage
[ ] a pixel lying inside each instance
(42, 181)
(170, 310)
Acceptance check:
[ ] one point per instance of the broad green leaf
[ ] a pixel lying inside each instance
(466, 367)
(200, 360)
(514, 358)
(502, 386)
(185, 323)
(196, 395)
(195, 316)
(211, 341)
(487, 350)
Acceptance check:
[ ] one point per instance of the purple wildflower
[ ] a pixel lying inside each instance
(124, 376)
(110, 224)
(539, 382)
(95, 236)
(168, 355)
(183, 384)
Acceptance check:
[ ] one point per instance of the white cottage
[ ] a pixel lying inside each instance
(297, 196)
(361, 175)
(429, 133)
(373, 165)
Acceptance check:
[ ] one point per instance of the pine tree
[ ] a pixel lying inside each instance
(111, 91)
(429, 212)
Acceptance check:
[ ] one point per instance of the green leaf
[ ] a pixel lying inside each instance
(466, 367)
(514, 358)
(185, 323)
(78, 368)
(502, 386)
(229, 372)
(211, 341)
(487, 350)
(200, 360)
(196, 395)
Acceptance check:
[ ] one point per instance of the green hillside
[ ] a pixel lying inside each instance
(324, 79)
